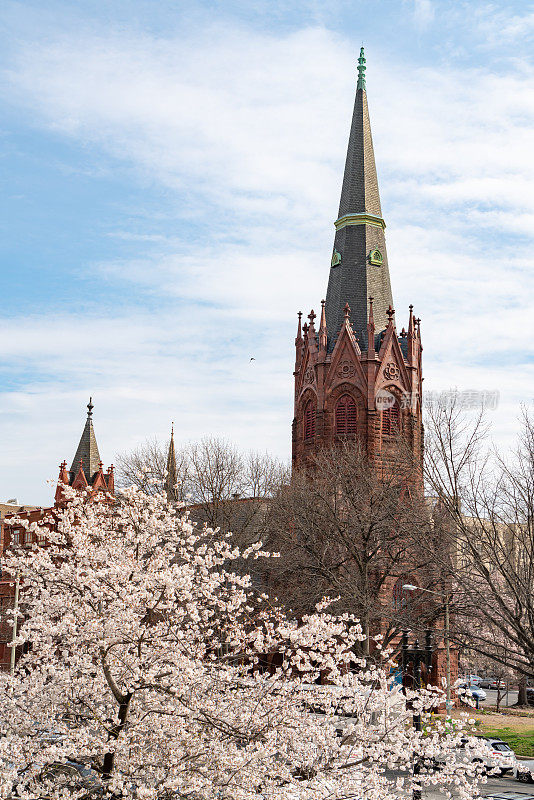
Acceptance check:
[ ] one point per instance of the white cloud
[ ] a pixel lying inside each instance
(248, 131)
(424, 12)
(498, 27)
(142, 372)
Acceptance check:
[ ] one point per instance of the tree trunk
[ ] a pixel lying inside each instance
(109, 758)
(522, 691)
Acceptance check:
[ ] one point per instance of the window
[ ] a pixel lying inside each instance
(309, 420)
(346, 416)
(28, 537)
(391, 419)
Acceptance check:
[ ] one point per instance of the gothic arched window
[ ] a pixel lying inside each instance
(391, 419)
(309, 420)
(346, 416)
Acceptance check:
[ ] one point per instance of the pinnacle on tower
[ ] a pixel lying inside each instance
(359, 266)
(87, 455)
(323, 331)
(299, 328)
(371, 330)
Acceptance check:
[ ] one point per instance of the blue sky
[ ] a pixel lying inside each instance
(171, 172)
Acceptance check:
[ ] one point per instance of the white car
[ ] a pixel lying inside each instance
(501, 755)
(493, 755)
(524, 771)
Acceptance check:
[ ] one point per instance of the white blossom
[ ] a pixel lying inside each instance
(147, 661)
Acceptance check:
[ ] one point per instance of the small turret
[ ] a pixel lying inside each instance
(87, 468)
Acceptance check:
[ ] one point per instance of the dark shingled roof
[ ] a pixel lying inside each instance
(354, 278)
(87, 450)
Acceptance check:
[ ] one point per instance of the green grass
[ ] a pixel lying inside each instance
(522, 743)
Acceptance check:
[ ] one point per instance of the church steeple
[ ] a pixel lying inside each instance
(357, 378)
(87, 455)
(171, 478)
(359, 266)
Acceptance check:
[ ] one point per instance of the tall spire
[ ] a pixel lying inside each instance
(87, 454)
(359, 266)
(171, 478)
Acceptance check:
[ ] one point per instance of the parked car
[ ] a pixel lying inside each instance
(492, 683)
(472, 692)
(501, 755)
(524, 771)
(493, 755)
(472, 680)
(530, 695)
(71, 776)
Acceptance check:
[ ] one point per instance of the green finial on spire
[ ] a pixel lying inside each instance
(361, 70)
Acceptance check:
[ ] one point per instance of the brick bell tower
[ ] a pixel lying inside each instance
(356, 377)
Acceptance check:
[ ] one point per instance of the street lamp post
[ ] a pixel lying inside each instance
(409, 587)
(416, 655)
(15, 620)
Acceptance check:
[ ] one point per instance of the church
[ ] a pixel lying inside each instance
(355, 374)
(357, 377)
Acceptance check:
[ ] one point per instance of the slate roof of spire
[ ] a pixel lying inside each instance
(87, 451)
(359, 232)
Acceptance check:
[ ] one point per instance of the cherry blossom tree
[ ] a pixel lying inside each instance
(146, 655)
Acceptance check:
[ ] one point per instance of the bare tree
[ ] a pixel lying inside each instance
(344, 529)
(488, 502)
(220, 486)
(145, 467)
